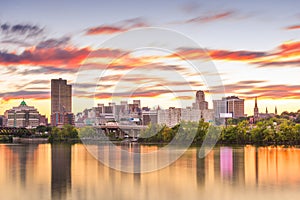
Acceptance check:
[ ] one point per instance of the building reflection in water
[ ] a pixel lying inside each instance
(25, 171)
(226, 162)
(63, 171)
(60, 170)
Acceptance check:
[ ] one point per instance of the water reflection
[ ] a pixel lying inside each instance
(60, 170)
(44, 171)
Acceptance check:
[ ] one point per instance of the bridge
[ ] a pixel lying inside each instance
(121, 130)
(13, 131)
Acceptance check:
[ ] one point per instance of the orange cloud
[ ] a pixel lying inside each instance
(287, 53)
(117, 28)
(104, 30)
(250, 89)
(183, 98)
(235, 55)
(293, 27)
(67, 57)
(219, 54)
(289, 49)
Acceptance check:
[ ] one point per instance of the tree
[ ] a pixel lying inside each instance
(242, 130)
(229, 134)
(288, 132)
(87, 132)
(201, 131)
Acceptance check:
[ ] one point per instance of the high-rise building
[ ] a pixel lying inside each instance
(231, 104)
(220, 106)
(61, 102)
(200, 101)
(61, 96)
(235, 106)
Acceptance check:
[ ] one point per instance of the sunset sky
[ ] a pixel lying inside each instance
(254, 45)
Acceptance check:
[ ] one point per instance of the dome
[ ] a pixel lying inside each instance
(23, 103)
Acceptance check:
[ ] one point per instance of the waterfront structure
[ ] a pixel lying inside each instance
(23, 116)
(61, 103)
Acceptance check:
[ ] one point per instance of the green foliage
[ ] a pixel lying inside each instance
(66, 133)
(185, 131)
(201, 131)
(87, 132)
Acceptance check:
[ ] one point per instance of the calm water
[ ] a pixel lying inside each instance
(45, 171)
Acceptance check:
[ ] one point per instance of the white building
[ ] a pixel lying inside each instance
(173, 116)
(169, 117)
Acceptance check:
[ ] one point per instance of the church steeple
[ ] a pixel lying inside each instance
(266, 110)
(255, 110)
(275, 110)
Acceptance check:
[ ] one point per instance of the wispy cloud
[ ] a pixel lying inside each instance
(53, 43)
(219, 54)
(286, 54)
(21, 29)
(139, 93)
(252, 88)
(208, 17)
(117, 27)
(25, 94)
(211, 17)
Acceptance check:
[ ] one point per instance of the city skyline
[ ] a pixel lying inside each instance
(198, 100)
(254, 46)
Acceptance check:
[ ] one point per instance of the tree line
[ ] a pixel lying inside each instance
(274, 131)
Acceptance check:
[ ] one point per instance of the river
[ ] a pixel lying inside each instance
(65, 171)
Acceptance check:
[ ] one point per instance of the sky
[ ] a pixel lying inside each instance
(252, 48)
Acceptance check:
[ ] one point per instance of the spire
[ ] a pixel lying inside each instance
(275, 110)
(256, 115)
(266, 110)
(158, 107)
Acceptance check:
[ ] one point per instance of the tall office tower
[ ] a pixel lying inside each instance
(61, 96)
(61, 102)
(200, 101)
(235, 106)
(255, 110)
(220, 106)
